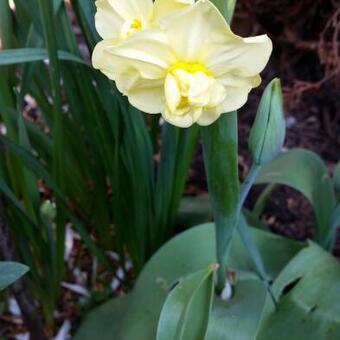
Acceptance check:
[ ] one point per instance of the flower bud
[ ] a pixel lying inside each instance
(268, 131)
(48, 212)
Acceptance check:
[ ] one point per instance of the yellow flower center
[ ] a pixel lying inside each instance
(191, 87)
(189, 67)
(130, 27)
(136, 25)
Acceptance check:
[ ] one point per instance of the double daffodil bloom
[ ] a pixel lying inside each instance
(191, 69)
(119, 19)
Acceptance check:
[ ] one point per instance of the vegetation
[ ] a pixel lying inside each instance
(85, 159)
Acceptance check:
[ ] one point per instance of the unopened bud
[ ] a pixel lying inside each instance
(268, 131)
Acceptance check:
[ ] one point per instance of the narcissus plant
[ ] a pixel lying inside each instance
(191, 68)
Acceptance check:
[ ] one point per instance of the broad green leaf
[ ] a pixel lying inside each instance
(185, 314)
(10, 272)
(174, 261)
(307, 290)
(239, 318)
(26, 55)
(304, 171)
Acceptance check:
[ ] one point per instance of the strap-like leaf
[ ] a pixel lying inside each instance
(26, 55)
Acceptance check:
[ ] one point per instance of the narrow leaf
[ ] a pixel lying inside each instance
(26, 55)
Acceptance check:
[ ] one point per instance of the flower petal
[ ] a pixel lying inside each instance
(232, 80)
(144, 56)
(190, 30)
(132, 9)
(244, 57)
(235, 98)
(163, 8)
(147, 96)
(108, 21)
(183, 121)
(102, 60)
(172, 92)
(146, 51)
(208, 117)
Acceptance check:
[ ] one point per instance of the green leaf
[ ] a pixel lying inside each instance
(185, 314)
(249, 241)
(85, 11)
(226, 7)
(26, 55)
(178, 147)
(268, 131)
(239, 318)
(139, 315)
(308, 309)
(304, 171)
(35, 166)
(172, 262)
(274, 250)
(335, 223)
(193, 211)
(10, 272)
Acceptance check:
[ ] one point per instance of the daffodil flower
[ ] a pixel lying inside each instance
(119, 19)
(191, 70)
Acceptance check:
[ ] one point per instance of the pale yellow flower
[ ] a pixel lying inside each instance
(118, 19)
(191, 69)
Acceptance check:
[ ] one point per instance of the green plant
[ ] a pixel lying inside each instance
(86, 143)
(262, 277)
(96, 153)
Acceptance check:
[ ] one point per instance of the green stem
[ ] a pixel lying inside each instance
(262, 200)
(246, 186)
(221, 164)
(245, 232)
